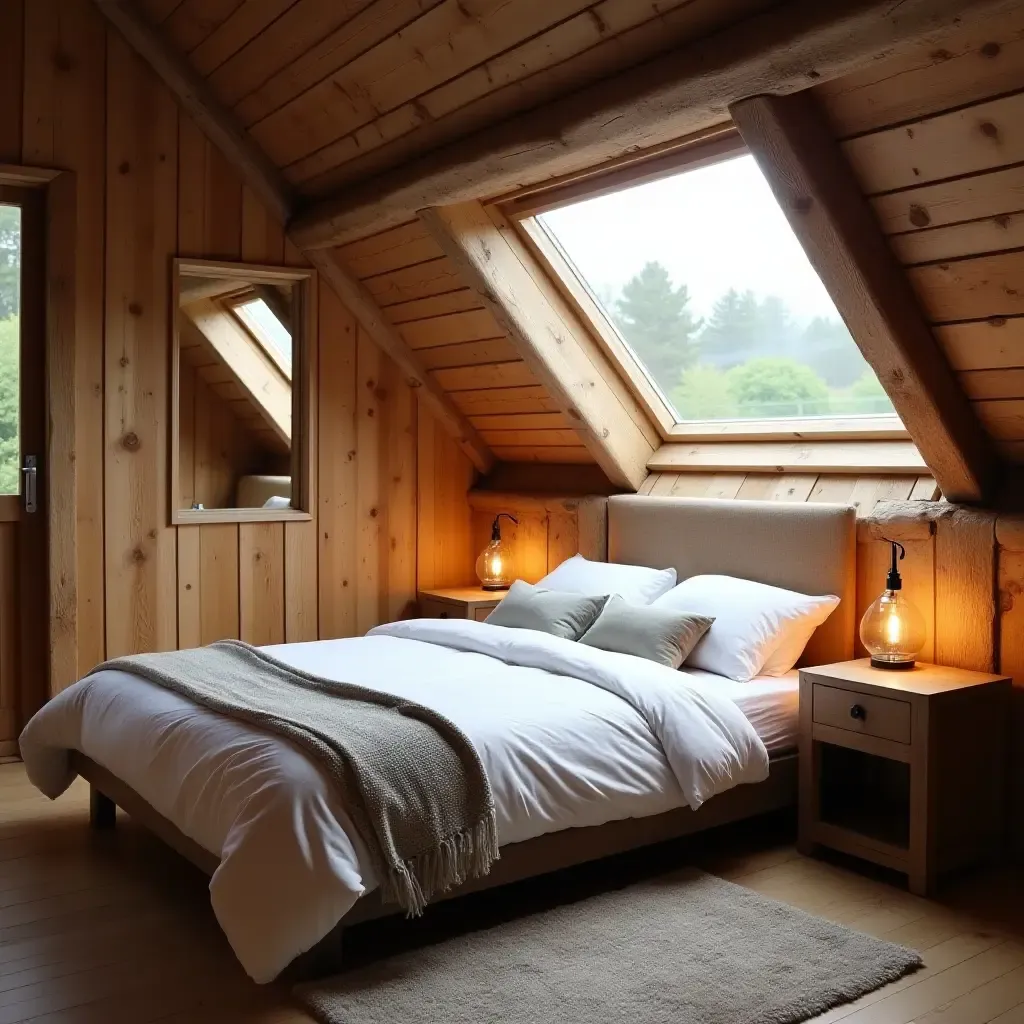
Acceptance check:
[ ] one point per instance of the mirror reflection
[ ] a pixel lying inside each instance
(236, 342)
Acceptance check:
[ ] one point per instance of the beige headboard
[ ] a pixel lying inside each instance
(809, 547)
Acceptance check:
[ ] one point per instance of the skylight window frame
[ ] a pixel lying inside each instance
(703, 149)
(231, 304)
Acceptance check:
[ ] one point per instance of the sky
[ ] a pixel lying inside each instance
(714, 228)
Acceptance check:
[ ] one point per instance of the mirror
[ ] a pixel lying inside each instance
(239, 353)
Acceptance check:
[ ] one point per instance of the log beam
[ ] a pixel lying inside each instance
(553, 342)
(823, 201)
(786, 49)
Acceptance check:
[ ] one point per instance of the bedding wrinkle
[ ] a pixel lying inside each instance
(568, 739)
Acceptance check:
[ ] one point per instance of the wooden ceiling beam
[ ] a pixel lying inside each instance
(822, 199)
(786, 49)
(267, 182)
(553, 342)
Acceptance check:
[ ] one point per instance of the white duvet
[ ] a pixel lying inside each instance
(569, 736)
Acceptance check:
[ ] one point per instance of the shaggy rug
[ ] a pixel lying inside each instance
(686, 948)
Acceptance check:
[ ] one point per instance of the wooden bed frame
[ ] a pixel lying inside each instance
(528, 859)
(809, 548)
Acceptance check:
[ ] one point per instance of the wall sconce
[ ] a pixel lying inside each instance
(893, 630)
(496, 565)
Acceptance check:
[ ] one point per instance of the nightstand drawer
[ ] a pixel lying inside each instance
(861, 712)
(481, 613)
(441, 610)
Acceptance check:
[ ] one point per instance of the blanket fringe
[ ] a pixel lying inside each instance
(458, 857)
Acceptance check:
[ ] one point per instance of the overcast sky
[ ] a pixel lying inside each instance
(714, 228)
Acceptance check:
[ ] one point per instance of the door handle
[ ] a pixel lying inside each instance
(30, 473)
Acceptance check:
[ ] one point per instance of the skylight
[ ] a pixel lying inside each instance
(704, 279)
(263, 324)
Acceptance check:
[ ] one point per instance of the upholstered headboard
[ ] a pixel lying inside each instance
(811, 548)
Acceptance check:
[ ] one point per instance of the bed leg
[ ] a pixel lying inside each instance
(102, 810)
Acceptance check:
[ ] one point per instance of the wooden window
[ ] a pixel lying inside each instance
(688, 271)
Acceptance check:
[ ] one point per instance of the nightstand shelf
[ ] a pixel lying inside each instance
(904, 769)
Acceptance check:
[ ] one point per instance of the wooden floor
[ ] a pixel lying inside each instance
(114, 929)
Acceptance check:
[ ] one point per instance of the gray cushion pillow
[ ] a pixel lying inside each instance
(527, 607)
(657, 634)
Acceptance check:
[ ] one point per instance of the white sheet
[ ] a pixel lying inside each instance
(771, 705)
(559, 751)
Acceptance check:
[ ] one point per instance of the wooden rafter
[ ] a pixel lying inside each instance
(823, 202)
(784, 50)
(267, 182)
(550, 337)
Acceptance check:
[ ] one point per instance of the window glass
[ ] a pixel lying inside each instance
(10, 349)
(705, 280)
(268, 330)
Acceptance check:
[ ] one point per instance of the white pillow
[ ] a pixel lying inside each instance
(758, 630)
(634, 583)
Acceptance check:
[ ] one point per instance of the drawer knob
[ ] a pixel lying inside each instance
(443, 615)
(857, 712)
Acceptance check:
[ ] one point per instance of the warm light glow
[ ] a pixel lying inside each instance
(893, 628)
(496, 565)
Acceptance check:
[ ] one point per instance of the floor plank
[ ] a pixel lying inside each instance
(113, 928)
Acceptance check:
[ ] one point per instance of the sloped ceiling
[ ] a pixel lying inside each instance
(336, 92)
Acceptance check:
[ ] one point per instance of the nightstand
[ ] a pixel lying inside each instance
(459, 603)
(904, 768)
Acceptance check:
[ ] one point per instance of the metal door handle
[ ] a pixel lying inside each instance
(30, 472)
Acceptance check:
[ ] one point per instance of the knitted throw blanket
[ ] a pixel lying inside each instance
(410, 780)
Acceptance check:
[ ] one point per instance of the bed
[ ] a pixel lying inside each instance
(221, 795)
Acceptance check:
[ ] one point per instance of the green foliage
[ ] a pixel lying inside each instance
(778, 387)
(10, 261)
(867, 386)
(10, 453)
(653, 317)
(704, 393)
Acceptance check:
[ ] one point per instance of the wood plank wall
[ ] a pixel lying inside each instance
(338, 90)
(936, 138)
(461, 344)
(72, 95)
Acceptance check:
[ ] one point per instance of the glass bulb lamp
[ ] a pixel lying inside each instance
(496, 566)
(893, 630)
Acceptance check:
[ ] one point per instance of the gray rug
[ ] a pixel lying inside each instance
(686, 948)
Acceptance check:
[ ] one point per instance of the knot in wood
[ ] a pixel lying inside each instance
(130, 442)
(989, 130)
(62, 60)
(135, 308)
(802, 204)
(997, 321)
(373, 513)
(138, 555)
(991, 50)
(123, 167)
(919, 216)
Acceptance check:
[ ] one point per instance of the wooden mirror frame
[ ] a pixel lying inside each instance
(303, 425)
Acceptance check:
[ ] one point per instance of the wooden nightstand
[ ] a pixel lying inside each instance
(905, 769)
(459, 603)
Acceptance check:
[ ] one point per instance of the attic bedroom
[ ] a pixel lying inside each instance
(511, 511)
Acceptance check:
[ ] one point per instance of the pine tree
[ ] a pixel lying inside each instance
(732, 333)
(654, 318)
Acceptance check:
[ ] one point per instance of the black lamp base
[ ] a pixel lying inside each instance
(495, 586)
(893, 666)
